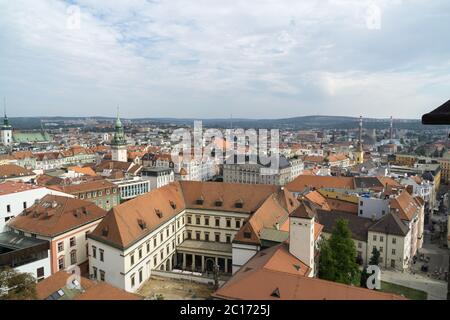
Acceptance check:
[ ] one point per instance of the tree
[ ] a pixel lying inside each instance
(16, 286)
(338, 256)
(375, 258)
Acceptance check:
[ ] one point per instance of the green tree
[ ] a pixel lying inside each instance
(375, 258)
(338, 256)
(16, 286)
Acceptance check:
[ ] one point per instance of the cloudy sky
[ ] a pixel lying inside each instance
(214, 58)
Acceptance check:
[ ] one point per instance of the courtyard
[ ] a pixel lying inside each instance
(173, 289)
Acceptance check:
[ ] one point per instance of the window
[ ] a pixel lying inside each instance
(359, 245)
(247, 235)
(206, 236)
(173, 227)
(189, 220)
(155, 260)
(162, 254)
(141, 278)
(73, 242)
(154, 242)
(206, 221)
(132, 281)
(393, 252)
(228, 238)
(197, 236)
(102, 275)
(360, 212)
(381, 249)
(61, 263)
(132, 259)
(361, 203)
(167, 232)
(189, 235)
(60, 246)
(86, 235)
(167, 249)
(73, 257)
(228, 223)
(8, 208)
(161, 235)
(381, 238)
(394, 240)
(217, 237)
(217, 222)
(140, 253)
(238, 224)
(24, 204)
(40, 272)
(102, 254)
(94, 252)
(374, 237)
(148, 246)
(197, 219)
(94, 272)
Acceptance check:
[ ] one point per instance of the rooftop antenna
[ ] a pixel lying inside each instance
(4, 106)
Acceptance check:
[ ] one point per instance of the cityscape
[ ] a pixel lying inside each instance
(125, 202)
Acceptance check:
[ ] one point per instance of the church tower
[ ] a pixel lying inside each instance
(359, 154)
(118, 143)
(6, 132)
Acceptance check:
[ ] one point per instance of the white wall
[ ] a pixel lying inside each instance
(373, 207)
(33, 266)
(241, 253)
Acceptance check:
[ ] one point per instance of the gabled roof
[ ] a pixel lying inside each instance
(54, 215)
(390, 224)
(308, 182)
(14, 171)
(274, 274)
(358, 226)
(405, 206)
(90, 290)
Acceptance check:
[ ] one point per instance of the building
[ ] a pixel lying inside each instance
(6, 132)
(118, 143)
(101, 192)
(131, 188)
(63, 222)
(17, 196)
(275, 274)
(158, 176)
(25, 254)
(359, 153)
(191, 226)
(13, 172)
(258, 173)
(64, 286)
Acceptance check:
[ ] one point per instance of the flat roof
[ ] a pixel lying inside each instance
(205, 245)
(14, 241)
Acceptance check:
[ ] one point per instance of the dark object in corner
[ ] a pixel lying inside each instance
(439, 116)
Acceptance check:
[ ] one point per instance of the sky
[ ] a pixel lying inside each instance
(217, 58)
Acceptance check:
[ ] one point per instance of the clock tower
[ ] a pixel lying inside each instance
(118, 143)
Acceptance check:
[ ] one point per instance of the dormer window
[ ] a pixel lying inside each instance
(200, 201)
(247, 235)
(219, 202)
(173, 204)
(276, 293)
(159, 213)
(105, 231)
(142, 224)
(239, 204)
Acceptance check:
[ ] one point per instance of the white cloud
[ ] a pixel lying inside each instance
(209, 59)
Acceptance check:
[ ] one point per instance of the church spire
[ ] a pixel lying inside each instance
(360, 133)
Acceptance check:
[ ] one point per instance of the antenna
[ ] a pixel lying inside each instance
(4, 106)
